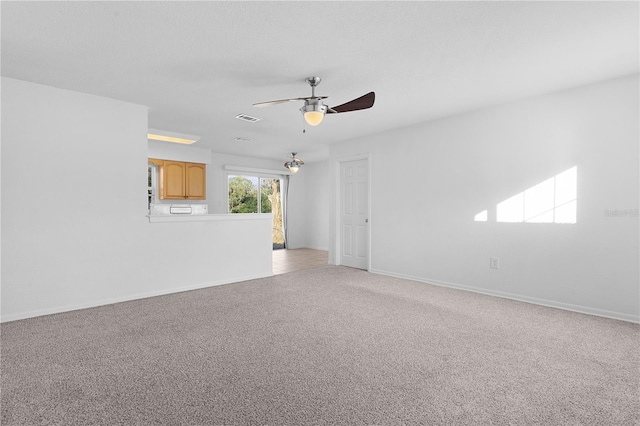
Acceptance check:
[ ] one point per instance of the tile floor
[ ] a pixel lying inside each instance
(295, 260)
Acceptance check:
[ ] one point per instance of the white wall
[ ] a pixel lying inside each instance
(429, 180)
(74, 231)
(296, 210)
(317, 205)
(309, 207)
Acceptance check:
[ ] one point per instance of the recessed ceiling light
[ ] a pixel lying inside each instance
(163, 135)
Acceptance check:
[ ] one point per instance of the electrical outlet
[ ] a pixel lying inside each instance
(494, 262)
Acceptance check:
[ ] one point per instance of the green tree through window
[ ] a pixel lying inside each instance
(243, 195)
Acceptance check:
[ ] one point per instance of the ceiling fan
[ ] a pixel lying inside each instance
(314, 109)
(294, 164)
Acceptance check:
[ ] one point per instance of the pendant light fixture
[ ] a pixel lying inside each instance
(294, 164)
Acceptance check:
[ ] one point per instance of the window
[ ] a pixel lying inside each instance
(255, 194)
(152, 184)
(243, 194)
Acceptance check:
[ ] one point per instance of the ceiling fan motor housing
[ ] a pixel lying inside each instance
(313, 111)
(314, 105)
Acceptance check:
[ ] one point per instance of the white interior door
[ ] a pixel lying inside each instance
(354, 214)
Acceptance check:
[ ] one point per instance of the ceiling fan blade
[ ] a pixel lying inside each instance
(269, 103)
(290, 158)
(363, 102)
(282, 101)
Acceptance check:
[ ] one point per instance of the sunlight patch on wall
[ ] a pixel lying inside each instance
(481, 217)
(551, 201)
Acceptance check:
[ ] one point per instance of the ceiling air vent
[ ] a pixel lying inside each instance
(248, 118)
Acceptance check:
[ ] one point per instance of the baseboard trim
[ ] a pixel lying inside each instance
(317, 248)
(308, 247)
(533, 300)
(128, 298)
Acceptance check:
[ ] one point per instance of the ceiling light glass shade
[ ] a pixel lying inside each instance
(313, 111)
(313, 118)
(293, 166)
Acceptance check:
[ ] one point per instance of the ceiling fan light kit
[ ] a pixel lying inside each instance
(313, 111)
(293, 168)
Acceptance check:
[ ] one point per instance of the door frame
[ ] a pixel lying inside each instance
(337, 164)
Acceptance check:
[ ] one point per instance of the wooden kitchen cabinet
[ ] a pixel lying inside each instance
(196, 181)
(182, 181)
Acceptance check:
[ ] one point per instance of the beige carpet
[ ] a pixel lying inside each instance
(325, 346)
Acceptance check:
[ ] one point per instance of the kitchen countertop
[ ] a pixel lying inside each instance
(157, 218)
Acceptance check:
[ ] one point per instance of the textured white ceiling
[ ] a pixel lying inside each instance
(198, 64)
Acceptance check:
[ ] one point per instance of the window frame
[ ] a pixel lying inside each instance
(249, 174)
(152, 196)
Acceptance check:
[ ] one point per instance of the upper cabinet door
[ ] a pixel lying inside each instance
(173, 181)
(182, 181)
(196, 181)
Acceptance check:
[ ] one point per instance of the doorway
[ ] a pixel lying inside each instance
(353, 213)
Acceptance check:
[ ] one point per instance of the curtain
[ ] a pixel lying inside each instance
(284, 201)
